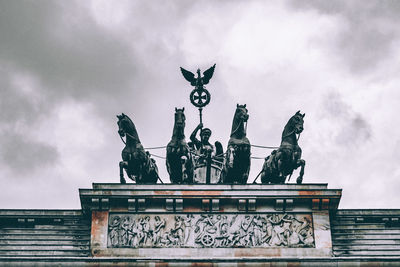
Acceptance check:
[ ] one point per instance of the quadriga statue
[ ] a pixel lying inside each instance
(287, 157)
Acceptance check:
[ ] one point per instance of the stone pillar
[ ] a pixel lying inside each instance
(99, 231)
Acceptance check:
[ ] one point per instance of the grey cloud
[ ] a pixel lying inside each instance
(74, 58)
(16, 107)
(24, 156)
(368, 31)
(355, 131)
(353, 128)
(79, 61)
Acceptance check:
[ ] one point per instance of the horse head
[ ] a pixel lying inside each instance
(180, 122)
(297, 122)
(293, 128)
(241, 116)
(127, 127)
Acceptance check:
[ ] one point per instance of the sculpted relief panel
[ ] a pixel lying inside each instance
(210, 230)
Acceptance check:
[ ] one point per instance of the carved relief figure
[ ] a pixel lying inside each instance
(159, 225)
(210, 230)
(113, 228)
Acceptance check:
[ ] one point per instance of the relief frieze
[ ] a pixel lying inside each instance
(210, 230)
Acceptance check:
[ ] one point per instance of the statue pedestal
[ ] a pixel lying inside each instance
(165, 221)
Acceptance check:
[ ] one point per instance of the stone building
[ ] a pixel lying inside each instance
(207, 225)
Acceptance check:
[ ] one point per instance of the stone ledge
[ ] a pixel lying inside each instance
(37, 212)
(115, 186)
(163, 197)
(256, 261)
(368, 212)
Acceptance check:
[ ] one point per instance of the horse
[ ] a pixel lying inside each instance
(287, 157)
(138, 164)
(237, 164)
(179, 160)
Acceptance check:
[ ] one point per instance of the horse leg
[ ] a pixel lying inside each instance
(150, 171)
(265, 173)
(231, 157)
(184, 161)
(302, 164)
(189, 169)
(280, 163)
(229, 165)
(246, 171)
(122, 164)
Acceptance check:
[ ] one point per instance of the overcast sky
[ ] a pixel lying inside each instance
(68, 67)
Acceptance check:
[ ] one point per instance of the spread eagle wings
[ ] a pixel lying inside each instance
(190, 77)
(208, 74)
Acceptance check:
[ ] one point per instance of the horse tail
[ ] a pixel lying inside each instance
(267, 168)
(150, 169)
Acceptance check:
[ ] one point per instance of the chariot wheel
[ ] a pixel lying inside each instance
(207, 240)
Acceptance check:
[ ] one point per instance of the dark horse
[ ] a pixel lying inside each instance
(137, 163)
(179, 160)
(287, 158)
(237, 164)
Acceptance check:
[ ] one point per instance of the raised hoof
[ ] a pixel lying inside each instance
(299, 180)
(122, 180)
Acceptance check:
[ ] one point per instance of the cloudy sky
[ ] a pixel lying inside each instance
(68, 67)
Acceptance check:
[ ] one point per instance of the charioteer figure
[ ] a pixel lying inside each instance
(208, 163)
(203, 145)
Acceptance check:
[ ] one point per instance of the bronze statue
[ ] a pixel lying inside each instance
(287, 158)
(199, 97)
(199, 81)
(237, 164)
(179, 160)
(204, 156)
(138, 164)
(203, 145)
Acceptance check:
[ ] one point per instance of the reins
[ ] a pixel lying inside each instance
(123, 141)
(237, 128)
(127, 134)
(289, 134)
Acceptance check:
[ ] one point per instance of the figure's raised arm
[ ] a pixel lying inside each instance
(193, 135)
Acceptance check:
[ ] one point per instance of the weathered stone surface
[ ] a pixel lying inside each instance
(46, 233)
(211, 230)
(69, 238)
(322, 230)
(99, 230)
(366, 233)
(233, 198)
(242, 262)
(218, 221)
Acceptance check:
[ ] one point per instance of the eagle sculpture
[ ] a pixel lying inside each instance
(199, 81)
